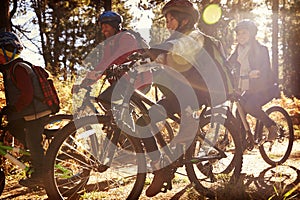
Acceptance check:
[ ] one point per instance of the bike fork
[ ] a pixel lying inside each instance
(242, 114)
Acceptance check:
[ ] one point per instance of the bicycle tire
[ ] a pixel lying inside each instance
(125, 173)
(207, 176)
(278, 152)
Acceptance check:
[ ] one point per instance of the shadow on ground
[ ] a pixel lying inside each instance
(276, 183)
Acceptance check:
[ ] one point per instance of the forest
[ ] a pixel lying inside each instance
(64, 33)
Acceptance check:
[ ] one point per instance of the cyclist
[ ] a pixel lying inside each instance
(181, 51)
(119, 44)
(26, 114)
(256, 80)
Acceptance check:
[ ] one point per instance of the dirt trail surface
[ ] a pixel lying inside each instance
(259, 182)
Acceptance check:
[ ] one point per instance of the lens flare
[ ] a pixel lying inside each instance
(212, 14)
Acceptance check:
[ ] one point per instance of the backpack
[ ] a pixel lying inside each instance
(215, 50)
(142, 44)
(50, 96)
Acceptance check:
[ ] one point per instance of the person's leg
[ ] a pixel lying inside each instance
(162, 175)
(34, 130)
(16, 129)
(105, 97)
(252, 104)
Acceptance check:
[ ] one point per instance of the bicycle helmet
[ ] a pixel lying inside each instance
(183, 6)
(10, 42)
(248, 25)
(112, 18)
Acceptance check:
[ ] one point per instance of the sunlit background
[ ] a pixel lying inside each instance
(142, 21)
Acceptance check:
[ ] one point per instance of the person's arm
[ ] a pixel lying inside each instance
(24, 84)
(125, 45)
(265, 64)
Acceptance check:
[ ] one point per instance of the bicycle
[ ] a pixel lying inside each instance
(273, 152)
(15, 152)
(100, 156)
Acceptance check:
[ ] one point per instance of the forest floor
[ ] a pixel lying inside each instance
(259, 181)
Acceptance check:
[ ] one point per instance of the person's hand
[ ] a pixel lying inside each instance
(254, 74)
(6, 110)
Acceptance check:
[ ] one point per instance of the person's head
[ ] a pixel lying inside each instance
(246, 31)
(10, 47)
(180, 15)
(111, 23)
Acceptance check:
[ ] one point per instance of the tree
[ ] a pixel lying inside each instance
(66, 25)
(6, 15)
(69, 32)
(290, 60)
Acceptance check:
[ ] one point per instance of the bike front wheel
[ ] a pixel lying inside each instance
(213, 171)
(277, 151)
(90, 157)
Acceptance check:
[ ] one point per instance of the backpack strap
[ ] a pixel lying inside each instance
(26, 65)
(142, 44)
(216, 51)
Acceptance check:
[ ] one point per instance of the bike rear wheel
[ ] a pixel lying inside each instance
(90, 156)
(278, 151)
(211, 172)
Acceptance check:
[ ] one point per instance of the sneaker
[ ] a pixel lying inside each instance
(161, 182)
(273, 133)
(32, 182)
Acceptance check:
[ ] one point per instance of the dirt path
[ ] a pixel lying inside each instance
(259, 181)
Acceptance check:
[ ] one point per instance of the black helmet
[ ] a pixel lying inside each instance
(183, 6)
(112, 18)
(248, 25)
(10, 42)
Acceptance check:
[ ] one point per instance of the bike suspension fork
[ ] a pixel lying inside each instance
(245, 123)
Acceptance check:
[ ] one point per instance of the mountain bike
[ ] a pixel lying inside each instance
(101, 152)
(15, 152)
(273, 152)
(96, 154)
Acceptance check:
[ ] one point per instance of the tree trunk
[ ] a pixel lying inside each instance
(107, 5)
(275, 37)
(5, 24)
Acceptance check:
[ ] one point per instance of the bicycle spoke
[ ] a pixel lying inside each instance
(79, 168)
